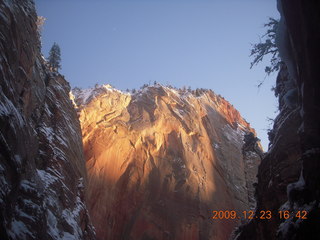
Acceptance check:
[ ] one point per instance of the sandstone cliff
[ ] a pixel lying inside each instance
(161, 160)
(288, 177)
(42, 168)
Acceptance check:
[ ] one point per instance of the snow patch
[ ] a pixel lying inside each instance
(235, 136)
(178, 112)
(52, 222)
(19, 231)
(84, 96)
(27, 186)
(46, 177)
(71, 216)
(47, 110)
(9, 110)
(48, 132)
(299, 185)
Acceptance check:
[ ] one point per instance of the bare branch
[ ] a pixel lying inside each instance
(267, 46)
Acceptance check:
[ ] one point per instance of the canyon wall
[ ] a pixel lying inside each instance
(288, 177)
(161, 160)
(42, 167)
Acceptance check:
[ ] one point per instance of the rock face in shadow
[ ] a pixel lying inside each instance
(161, 160)
(288, 177)
(42, 167)
(279, 167)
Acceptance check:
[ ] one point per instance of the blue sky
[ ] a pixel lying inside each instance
(197, 43)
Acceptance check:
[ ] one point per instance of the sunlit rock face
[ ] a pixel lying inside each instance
(161, 160)
(42, 167)
(288, 177)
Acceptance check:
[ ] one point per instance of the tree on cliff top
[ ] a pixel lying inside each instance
(54, 58)
(267, 47)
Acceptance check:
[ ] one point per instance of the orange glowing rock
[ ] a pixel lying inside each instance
(161, 160)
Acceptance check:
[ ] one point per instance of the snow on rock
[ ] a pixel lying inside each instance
(41, 158)
(84, 96)
(288, 177)
(19, 230)
(158, 152)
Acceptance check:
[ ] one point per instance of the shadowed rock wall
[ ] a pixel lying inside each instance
(288, 178)
(42, 167)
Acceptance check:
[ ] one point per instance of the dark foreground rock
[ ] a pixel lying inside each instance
(288, 178)
(42, 168)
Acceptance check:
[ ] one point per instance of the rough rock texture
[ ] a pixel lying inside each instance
(42, 167)
(161, 160)
(288, 177)
(279, 167)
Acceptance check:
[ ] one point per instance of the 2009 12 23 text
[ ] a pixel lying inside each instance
(262, 214)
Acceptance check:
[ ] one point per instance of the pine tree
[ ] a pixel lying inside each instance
(54, 58)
